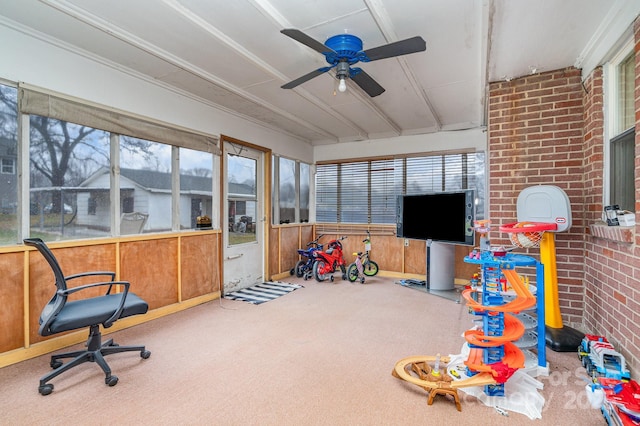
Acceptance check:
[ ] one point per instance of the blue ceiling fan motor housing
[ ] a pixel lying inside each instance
(345, 47)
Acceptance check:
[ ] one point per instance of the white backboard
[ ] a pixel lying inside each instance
(545, 203)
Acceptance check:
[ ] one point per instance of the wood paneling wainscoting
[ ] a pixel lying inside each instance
(390, 252)
(284, 242)
(172, 272)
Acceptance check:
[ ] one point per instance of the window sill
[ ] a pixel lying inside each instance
(620, 234)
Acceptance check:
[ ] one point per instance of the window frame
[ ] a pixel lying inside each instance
(275, 190)
(612, 131)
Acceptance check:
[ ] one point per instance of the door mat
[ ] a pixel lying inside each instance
(261, 293)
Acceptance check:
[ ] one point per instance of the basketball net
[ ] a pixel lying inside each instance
(525, 234)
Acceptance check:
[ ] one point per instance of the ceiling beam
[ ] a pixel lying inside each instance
(123, 35)
(381, 17)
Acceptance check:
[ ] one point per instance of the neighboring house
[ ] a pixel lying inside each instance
(144, 191)
(8, 176)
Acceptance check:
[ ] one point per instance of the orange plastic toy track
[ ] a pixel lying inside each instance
(513, 330)
(403, 367)
(524, 299)
(513, 358)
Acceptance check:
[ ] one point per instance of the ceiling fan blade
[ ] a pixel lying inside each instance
(301, 37)
(402, 47)
(306, 77)
(366, 82)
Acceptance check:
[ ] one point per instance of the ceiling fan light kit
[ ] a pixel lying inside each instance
(344, 50)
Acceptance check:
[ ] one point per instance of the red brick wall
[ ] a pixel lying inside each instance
(549, 128)
(536, 137)
(612, 269)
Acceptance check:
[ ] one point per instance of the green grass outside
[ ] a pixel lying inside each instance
(9, 227)
(241, 237)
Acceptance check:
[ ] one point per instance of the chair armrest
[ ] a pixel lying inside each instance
(94, 273)
(109, 322)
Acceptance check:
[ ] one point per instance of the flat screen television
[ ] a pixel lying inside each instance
(439, 216)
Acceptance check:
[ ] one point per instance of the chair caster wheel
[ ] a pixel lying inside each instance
(111, 380)
(55, 364)
(145, 354)
(45, 389)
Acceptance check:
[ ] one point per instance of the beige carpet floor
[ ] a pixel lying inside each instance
(321, 355)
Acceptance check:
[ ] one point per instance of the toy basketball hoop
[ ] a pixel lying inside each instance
(527, 234)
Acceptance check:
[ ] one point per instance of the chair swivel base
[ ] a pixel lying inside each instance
(95, 352)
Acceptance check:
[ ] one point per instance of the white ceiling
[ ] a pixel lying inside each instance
(232, 54)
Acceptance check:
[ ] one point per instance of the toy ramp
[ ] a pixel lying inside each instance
(523, 300)
(513, 330)
(513, 359)
(403, 368)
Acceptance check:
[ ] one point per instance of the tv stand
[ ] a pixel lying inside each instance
(440, 277)
(441, 265)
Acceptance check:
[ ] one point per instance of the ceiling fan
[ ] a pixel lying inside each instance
(344, 50)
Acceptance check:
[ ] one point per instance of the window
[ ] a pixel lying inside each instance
(196, 186)
(8, 153)
(305, 181)
(621, 128)
(242, 198)
(8, 165)
(71, 177)
(146, 181)
(366, 191)
(68, 163)
(287, 192)
(290, 190)
(327, 200)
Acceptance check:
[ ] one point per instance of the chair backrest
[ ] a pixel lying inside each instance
(58, 300)
(132, 223)
(61, 283)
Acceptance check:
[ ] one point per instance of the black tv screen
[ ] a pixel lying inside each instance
(440, 216)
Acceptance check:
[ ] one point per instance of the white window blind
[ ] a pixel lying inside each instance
(60, 107)
(327, 193)
(366, 191)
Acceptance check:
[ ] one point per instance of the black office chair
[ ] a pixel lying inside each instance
(61, 315)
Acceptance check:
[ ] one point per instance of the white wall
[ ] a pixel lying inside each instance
(442, 141)
(40, 63)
